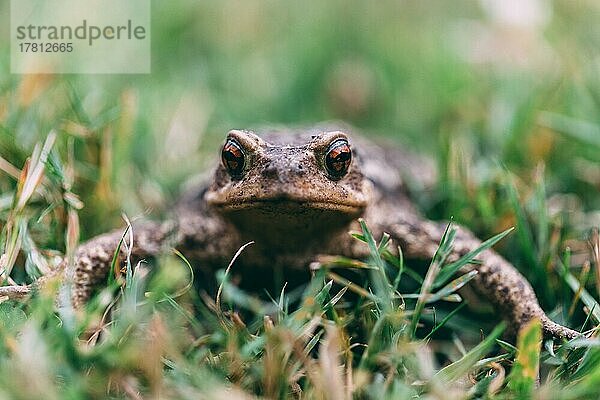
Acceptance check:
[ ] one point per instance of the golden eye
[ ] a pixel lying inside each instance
(233, 158)
(337, 160)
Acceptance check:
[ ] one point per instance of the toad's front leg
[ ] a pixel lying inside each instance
(497, 280)
(93, 259)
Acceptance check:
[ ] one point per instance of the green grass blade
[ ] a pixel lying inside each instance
(452, 287)
(523, 228)
(434, 268)
(445, 319)
(449, 270)
(379, 278)
(586, 297)
(584, 131)
(524, 374)
(459, 368)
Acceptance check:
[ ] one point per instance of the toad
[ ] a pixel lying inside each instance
(296, 193)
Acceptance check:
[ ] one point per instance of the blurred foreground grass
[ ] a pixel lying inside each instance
(506, 101)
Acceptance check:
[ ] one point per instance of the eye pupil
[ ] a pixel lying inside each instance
(338, 158)
(233, 158)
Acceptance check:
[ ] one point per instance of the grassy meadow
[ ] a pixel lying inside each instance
(504, 96)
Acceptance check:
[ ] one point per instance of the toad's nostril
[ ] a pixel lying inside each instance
(270, 171)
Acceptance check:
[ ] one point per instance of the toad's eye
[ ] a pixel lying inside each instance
(233, 157)
(338, 158)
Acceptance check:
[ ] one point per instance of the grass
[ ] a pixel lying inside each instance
(516, 143)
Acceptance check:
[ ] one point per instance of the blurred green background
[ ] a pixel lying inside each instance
(503, 95)
(478, 85)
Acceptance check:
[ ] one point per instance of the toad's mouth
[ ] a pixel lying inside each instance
(289, 224)
(287, 205)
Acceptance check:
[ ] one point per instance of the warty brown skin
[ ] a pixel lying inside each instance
(287, 202)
